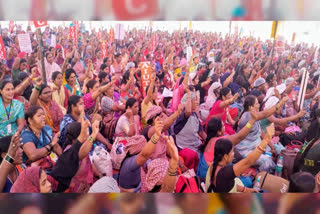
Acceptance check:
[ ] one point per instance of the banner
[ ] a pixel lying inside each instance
(145, 76)
(73, 34)
(25, 43)
(104, 49)
(134, 9)
(2, 49)
(189, 53)
(53, 42)
(119, 32)
(303, 88)
(38, 24)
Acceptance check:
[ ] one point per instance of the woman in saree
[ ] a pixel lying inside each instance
(72, 82)
(60, 93)
(253, 139)
(92, 98)
(221, 109)
(42, 96)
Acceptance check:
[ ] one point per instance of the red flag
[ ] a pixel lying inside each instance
(38, 24)
(111, 35)
(72, 32)
(154, 42)
(134, 9)
(2, 49)
(104, 49)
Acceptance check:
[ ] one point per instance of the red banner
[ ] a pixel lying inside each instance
(145, 76)
(154, 42)
(38, 24)
(104, 49)
(72, 33)
(2, 49)
(134, 9)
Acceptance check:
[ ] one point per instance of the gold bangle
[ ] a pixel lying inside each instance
(249, 126)
(91, 139)
(154, 140)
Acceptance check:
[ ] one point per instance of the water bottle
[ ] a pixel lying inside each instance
(257, 184)
(279, 167)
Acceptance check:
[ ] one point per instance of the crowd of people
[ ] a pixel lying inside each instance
(82, 121)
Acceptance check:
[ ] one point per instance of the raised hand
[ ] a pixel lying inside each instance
(55, 139)
(85, 124)
(158, 126)
(270, 131)
(14, 144)
(95, 128)
(39, 82)
(172, 148)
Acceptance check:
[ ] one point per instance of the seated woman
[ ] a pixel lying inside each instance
(222, 110)
(35, 180)
(253, 139)
(276, 118)
(38, 141)
(75, 108)
(160, 175)
(84, 177)
(60, 93)
(42, 96)
(138, 153)
(11, 110)
(110, 102)
(221, 176)
(215, 131)
(10, 159)
(92, 98)
(302, 182)
(128, 88)
(149, 100)
(213, 94)
(129, 123)
(72, 82)
(21, 86)
(187, 128)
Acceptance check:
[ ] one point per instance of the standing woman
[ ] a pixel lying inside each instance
(42, 96)
(60, 93)
(11, 111)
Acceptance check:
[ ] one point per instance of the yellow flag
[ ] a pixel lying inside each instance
(294, 37)
(274, 30)
(190, 25)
